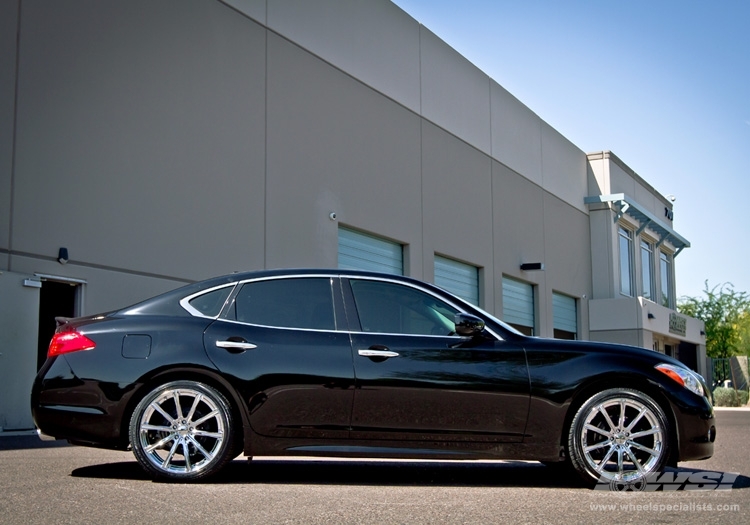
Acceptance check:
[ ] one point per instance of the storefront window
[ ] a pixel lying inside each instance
(665, 266)
(647, 269)
(626, 262)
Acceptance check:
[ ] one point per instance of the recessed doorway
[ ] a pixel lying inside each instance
(56, 299)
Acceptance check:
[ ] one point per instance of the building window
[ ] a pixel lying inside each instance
(518, 305)
(626, 262)
(647, 269)
(665, 266)
(458, 278)
(565, 316)
(361, 251)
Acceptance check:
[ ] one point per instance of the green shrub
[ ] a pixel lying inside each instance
(729, 397)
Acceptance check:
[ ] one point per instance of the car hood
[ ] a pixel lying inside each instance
(595, 347)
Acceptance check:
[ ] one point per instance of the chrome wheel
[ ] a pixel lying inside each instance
(182, 430)
(619, 435)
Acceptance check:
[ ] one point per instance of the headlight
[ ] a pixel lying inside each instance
(684, 377)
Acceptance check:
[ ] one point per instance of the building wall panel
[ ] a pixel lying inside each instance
(457, 196)
(455, 93)
(382, 41)
(518, 227)
(105, 289)
(255, 9)
(516, 135)
(335, 145)
(563, 168)
(8, 25)
(140, 136)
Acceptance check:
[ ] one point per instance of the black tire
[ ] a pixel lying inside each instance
(618, 435)
(183, 431)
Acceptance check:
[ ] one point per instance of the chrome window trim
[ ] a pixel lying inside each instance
(353, 332)
(185, 301)
(456, 337)
(288, 328)
(451, 300)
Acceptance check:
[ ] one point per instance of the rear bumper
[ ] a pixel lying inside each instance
(66, 407)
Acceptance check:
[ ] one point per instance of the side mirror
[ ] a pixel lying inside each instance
(468, 325)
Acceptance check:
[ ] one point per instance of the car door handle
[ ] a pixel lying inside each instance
(235, 346)
(377, 353)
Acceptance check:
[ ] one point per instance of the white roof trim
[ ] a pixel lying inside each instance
(644, 217)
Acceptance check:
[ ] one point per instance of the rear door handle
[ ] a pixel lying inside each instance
(377, 353)
(235, 346)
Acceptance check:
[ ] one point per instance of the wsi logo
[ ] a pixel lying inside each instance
(670, 481)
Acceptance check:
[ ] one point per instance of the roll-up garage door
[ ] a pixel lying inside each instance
(565, 317)
(518, 304)
(458, 278)
(361, 251)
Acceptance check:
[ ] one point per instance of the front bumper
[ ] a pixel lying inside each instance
(696, 431)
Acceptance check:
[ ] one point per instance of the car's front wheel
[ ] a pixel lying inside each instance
(619, 435)
(182, 431)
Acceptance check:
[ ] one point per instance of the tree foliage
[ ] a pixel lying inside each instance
(726, 313)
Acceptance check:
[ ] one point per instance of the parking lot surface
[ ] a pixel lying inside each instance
(57, 483)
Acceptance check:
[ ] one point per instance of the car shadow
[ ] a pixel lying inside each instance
(361, 472)
(28, 441)
(377, 473)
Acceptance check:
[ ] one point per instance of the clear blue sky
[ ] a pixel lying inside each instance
(664, 84)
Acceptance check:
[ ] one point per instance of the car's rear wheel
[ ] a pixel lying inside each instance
(617, 436)
(183, 431)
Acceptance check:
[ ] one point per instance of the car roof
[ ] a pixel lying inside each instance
(168, 303)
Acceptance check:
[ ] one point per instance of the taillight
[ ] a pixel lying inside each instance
(67, 342)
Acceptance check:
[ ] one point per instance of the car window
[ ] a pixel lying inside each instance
(288, 303)
(397, 309)
(210, 303)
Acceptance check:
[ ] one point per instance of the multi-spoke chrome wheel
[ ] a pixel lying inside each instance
(618, 435)
(182, 430)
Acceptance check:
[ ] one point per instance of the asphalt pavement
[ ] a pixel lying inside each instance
(52, 482)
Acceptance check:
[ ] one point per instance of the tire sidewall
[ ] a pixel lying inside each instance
(575, 448)
(215, 464)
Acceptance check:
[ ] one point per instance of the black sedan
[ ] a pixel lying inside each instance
(341, 363)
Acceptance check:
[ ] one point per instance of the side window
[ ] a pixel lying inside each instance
(210, 303)
(287, 303)
(626, 262)
(665, 270)
(397, 309)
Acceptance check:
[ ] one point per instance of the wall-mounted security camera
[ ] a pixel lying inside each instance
(332, 216)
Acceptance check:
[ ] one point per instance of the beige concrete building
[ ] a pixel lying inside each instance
(146, 144)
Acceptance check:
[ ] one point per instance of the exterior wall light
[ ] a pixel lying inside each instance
(651, 316)
(532, 267)
(62, 256)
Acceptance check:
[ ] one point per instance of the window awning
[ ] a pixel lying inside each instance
(646, 219)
